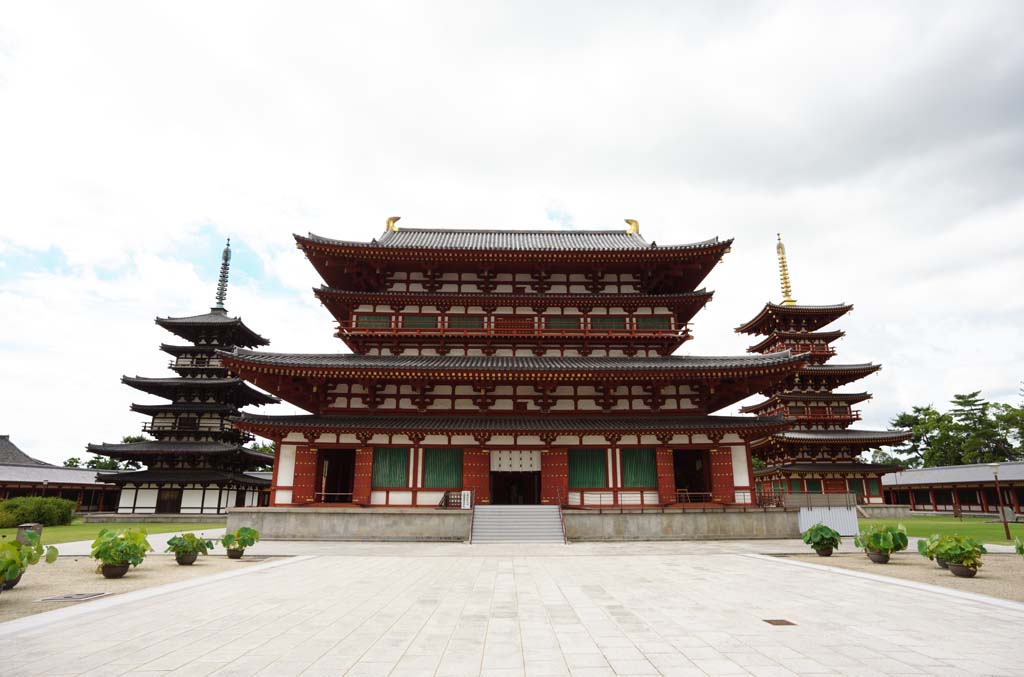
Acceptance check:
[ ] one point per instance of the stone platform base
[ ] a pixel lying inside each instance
(101, 517)
(354, 524)
(678, 524)
(892, 512)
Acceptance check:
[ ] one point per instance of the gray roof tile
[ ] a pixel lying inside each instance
(48, 473)
(11, 454)
(978, 473)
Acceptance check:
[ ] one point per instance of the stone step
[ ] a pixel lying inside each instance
(517, 524)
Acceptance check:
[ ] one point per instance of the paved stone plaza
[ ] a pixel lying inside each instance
(628, 609)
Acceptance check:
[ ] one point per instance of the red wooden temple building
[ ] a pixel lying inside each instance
(198, 462)
(525, 366)
(821, 451)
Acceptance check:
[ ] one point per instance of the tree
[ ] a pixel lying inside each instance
(98, 462)
(266, 448)
(73, 462)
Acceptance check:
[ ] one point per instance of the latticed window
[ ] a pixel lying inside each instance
(874, 488)
(653, 322)
(608, 323)
(419, 321)
(588, 468)
(465, 322)
(442, 468)
(373, 321)
(814, 486)
(562, 322)
(638, 468)
(390, 467)
(796, 486)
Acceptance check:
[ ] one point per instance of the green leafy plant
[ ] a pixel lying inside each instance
(929, 547)
(16, 557)
(241, 538)
(1018, 547)
(188, 544)
(117, 548)
(885, 540)
(48, 511)
(961, 550)
(821, 537)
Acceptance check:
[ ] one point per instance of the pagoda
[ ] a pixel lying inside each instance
(197, 462)
(525, 367)
(821, 452)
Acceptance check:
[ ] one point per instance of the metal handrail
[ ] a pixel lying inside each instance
(472, 513)
(685, 496)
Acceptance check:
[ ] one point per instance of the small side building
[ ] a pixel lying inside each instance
(22, 475)
(967, 489)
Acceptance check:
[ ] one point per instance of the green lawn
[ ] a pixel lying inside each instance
(79, 531)
(980, 528)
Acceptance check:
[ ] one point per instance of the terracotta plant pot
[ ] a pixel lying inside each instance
(186, 558)
(7, 585)
(235, 553)
(824, 552)
(114, 570)
(962, 571)
(878, 557)
(943, 564)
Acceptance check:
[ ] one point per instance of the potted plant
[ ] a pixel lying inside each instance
(929, 547)
(119, 550)
(880, 542)
(187, 547)
(17, 556)
(823, 539)
(237, 541)
(963, 555)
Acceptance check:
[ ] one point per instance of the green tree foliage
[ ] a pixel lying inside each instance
(98, 462)
(973, 430)
(264, 448)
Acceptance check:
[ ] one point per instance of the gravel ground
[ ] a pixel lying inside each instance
(78, 574)
(1001, 575)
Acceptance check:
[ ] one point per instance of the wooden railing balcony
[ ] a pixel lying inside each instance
(844, 417)
(178, 429)
(188, 364)
(510, 332)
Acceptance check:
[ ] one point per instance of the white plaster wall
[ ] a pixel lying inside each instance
(740, 473)
(127, 496)
(286, 464)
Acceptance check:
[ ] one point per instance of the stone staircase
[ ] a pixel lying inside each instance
(517, 524)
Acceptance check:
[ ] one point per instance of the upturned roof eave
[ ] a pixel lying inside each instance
(829, 312)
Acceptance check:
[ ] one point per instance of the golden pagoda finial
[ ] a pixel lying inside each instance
(787, 289)
(634, 227)
(391, 223)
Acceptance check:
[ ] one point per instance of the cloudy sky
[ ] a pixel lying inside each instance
(885, 141)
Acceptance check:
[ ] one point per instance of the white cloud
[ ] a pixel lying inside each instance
(883, 141)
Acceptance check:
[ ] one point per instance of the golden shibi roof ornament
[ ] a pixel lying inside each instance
(391, 223)
(634, 227)
(787, 288)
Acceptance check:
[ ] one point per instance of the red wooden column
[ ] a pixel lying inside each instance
(304, 484)
(554, 476)
(666, 476)
(722, 488)
(363, 476)
(476, 473)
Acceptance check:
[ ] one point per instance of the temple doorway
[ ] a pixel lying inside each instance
(168, 500)
(336, 471)
(693, 474)
(515, 477)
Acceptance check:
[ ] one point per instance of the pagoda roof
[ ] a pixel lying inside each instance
(168, 387)
(510, 240)
(189, 349)
(778, 398)
(839, 374)
(156, 448)
(194, 327)
(842, 436)
(776, 336)
(776, 315)
(331, 362)
(826, 466)
(185, 407)
(10, 454)
(694, 300)
(577, 425)
(186, 476)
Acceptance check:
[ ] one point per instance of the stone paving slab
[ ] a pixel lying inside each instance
(674, 609)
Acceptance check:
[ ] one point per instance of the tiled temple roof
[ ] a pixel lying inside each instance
(192, 326)
(885, 437)
(150, 448)
(167, 387)
(980, 473)
(12, 455)
(186, 476)
(814, 317)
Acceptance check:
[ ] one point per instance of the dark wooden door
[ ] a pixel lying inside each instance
(168, 501)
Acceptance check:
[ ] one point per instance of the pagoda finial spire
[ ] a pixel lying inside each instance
(222, 283)
(787, 289)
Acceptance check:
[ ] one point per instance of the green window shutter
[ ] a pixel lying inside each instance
(442, 468)
(607, 323)
(796, 486)
(419, 321)
(814, 486)
(588, 468)
(638, 468)
(653, 322)
(465, 322)
(373, 321)
(561, 322)
(390, 467)
(856, 486)
(873, 487)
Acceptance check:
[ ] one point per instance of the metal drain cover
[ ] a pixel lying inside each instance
(74, 597)
(778, 621)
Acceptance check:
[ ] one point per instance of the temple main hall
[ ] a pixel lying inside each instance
(522, 367)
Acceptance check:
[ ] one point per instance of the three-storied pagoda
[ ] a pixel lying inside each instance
(820, 453)
(198, 462)
(527, 366)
